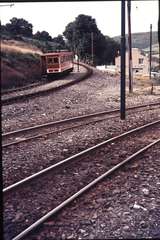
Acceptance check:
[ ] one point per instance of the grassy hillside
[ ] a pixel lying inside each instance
(155, 49)
(20, 63)
(20, 60)
(141, 40)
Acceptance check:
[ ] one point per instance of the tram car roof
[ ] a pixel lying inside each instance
(57, 53)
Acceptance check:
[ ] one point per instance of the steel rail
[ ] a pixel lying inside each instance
(32, 85)
(19, 89)
(58, 122)
(25, 139)
(44, 171)
(43, 92)
(82, 191)
(74, 118)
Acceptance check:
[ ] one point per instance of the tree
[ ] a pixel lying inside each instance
(78, 35)
(111, 50)
(59, 42)
(19, 26)
(3, 29)
(44, 36)
(59, 39)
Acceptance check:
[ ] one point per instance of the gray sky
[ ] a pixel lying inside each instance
(54, 16)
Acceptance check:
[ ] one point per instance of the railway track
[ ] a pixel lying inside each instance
(30, 133)
(19, 89)
(74, 179)
(22, 97)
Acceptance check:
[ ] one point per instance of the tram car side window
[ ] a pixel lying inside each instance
(55, 60)
(52, 60)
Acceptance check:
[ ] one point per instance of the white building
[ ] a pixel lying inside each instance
(140, 62)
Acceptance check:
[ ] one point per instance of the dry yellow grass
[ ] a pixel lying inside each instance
(17, 46)
(18, 67)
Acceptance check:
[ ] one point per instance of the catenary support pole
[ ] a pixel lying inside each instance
(130, 48)
(150, 59)
(159, 32)
(123, 52)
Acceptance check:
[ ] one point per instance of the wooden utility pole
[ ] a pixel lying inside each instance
(150, 59)
(123, 61)
(130, 48)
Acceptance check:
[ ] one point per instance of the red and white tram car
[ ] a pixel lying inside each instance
(56, 62)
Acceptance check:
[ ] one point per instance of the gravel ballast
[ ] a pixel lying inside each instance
(119, 210)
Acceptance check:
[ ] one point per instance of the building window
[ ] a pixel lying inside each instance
(140, 60)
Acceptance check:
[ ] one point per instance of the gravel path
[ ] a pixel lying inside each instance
(100, 92)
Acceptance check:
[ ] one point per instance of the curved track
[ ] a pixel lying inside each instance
(13, 134)
(22, 97)
(131, 134)
(19, 89)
